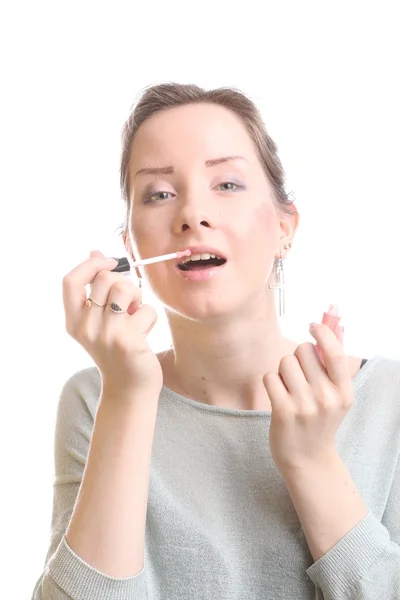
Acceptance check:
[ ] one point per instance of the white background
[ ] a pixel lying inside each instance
(325, 76)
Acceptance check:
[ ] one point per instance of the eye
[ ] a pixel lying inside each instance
(231, 186)
(156, 196)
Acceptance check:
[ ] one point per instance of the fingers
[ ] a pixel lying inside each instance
(146, 318)
(125, 294)
(340, 333)
(108, 288)
(332, 351)
(312, 363)
(74, 292)
(88, 325)
(129, 298)
(293, 376)
(115, 341)
(114, 287)
(97, 253)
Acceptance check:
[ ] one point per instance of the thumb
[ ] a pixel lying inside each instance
(340, 333)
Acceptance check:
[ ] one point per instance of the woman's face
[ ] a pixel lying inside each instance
(200, 198)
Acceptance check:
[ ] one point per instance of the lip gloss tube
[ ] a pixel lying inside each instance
(331, 318)
(126, 264)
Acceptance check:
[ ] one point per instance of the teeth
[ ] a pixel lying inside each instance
(204, 256)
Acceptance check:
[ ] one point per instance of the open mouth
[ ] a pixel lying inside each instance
(198, 262)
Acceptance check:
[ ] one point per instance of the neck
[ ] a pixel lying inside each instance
(222, 362)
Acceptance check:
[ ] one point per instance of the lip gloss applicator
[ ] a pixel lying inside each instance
(331, 318)
(126, 264)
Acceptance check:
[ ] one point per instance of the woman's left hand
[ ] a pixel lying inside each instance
(308, 401)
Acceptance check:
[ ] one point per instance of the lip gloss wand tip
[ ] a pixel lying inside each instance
(183, 253)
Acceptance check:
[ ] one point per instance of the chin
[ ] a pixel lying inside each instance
(203, 311)
(208, 303)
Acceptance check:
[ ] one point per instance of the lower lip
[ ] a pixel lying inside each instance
(201, 274)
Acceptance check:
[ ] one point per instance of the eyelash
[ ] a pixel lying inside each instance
(150, 196)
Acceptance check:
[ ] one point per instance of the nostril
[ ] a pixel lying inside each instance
(185, 226)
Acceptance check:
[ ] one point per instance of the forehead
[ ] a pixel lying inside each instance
(195, 131)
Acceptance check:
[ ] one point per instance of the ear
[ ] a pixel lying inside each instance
(289, 225)
(129, 250)
(127, 244)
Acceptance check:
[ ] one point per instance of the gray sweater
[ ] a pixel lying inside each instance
(220, 522)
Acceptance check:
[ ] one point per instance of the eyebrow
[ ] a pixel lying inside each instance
(169, 170)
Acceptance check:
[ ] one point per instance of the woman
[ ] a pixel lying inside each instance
(234, 465)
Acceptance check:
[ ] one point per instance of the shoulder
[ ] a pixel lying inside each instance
(354, 363)
(378, 384)
(82, 391)
(377, 367)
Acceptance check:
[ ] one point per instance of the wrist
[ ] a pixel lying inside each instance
(323, 462)
(129, 395)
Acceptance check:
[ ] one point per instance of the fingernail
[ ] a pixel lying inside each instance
(111, 258)
(313, 326)
(122, 265)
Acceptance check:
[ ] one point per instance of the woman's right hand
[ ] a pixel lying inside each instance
(116, 342)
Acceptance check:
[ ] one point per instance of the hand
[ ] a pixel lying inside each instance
(308, 401)
(116, 342)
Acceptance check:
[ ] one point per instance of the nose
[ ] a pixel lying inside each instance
(194, 215)
(194, 226)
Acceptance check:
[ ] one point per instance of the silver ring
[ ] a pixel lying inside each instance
(116, 308)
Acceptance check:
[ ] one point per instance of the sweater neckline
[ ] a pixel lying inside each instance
(265, 414)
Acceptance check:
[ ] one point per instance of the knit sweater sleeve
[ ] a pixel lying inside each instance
(66, 576)
(365, 563)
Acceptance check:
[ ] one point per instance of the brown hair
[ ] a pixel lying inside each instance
(169, 95)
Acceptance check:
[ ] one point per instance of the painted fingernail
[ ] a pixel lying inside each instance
(122, 265)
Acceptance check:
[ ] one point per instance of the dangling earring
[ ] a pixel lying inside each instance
(139, 278)
(278, 282)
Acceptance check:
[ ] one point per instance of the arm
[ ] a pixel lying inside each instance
(107, 528)
(94, 498)
(356, 555)
(327, 503)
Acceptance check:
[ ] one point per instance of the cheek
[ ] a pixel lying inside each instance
(258, 222)
(264, 215)
(260, 232)
(257, 237)
(147, 233)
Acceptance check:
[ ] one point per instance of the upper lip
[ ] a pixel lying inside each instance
(202, 250)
